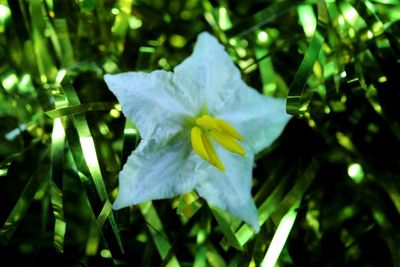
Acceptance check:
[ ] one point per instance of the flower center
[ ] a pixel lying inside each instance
(222, 132)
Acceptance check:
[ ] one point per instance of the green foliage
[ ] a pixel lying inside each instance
(63, 139)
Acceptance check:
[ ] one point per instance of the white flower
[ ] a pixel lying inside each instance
(200, 127)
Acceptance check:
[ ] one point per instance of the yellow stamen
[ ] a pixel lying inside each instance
(197, 142)
(207, 122)
(222, 132)
(228, 142)
(229, 129)
(214, 159)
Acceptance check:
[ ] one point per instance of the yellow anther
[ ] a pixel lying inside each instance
(229, 129)
(196, 136)
(214, 159)
(207, 122)
(228, 142)
(223, 133)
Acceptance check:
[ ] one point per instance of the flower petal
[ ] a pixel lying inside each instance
(231, 190)
(208, 72)
(259, 118)
(150, 100)
(155, 171)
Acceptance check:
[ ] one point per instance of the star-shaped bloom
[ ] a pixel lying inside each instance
(200, 128)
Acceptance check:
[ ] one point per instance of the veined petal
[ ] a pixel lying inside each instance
(208, 72)
(150, 100)
(231, 190)
(164, 105)
(155, 171)
(260, 119)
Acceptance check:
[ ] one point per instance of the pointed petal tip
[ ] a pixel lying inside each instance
(256, 227)
(205, 35)
(107, 76)
(119, 203)
(252, 220)
(109, 79)
(206, 38)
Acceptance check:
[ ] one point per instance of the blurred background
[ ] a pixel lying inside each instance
(328, 190)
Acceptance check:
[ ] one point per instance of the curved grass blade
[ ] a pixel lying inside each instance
(263, 17)
(77, 109)
(156, 230)
(298, 98)
(280, 237)
(25, 199)
(57, 165)
(83, 150)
